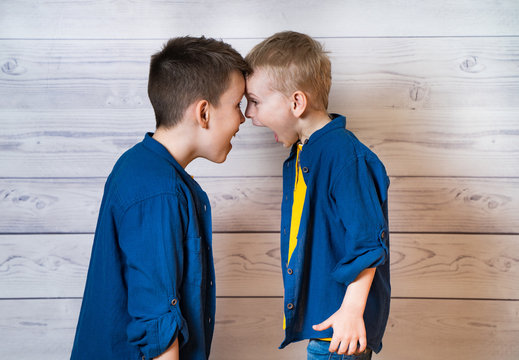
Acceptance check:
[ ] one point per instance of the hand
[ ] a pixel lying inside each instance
(348, 331)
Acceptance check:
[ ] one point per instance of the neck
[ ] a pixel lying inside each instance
(178, 141)
(310, 123)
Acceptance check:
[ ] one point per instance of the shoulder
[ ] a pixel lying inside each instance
(340, 147)
(346, 156)
(139, 174)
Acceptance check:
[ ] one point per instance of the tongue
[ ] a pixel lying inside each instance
(276, 136)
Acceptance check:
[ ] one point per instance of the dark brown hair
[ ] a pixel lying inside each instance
(295, 61)
(188, 69)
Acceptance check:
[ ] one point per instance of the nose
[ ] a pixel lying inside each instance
(247, 110)
(249, 114)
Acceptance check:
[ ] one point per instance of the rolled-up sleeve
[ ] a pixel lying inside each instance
(360, 196)
(151, 241)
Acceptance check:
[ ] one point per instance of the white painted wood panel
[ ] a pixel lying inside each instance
(248, 264)
(431, 86)
(87, 143)
(252, 204)
(158, 19)
(429, 107)
(250, 328)
(373, 73)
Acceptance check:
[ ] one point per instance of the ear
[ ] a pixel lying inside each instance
(299, 102)
(202, 113)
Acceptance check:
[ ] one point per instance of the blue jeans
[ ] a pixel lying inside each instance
(318, 350)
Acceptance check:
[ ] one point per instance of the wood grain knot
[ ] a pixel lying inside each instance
(491, 201)
(418, 92)
(502, 263)
(472, 65)
(20, 199)
(11, 67)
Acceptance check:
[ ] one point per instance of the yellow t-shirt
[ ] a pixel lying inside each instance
(297, 212)
(297, 205)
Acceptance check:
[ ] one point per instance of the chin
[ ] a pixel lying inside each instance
(220, 159)
(288, 144)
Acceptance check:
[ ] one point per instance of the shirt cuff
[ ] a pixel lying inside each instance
(155, 336)
(347, 270)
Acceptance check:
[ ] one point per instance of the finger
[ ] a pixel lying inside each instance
(326, 324)
(362, 344)
(352, 347)
(334, 344)
(344, 347)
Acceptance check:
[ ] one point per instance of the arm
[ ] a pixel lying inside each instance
(151, 240)
(348, 322)
(171, 353)
(360, 193)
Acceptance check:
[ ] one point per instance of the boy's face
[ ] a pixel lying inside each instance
(269, 107)
(225, 119)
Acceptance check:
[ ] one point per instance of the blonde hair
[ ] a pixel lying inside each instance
(295, 61)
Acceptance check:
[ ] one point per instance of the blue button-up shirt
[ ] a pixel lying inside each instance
(343, 230)
(151, 273)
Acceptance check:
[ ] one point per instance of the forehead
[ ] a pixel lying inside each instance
(236, 85)
(259, 82)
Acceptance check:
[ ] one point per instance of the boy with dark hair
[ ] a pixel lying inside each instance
(334, 225)
(150, 285)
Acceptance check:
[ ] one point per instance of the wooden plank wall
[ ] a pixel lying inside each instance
(431, 86)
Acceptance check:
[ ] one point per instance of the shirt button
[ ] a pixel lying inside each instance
(211, 283)
(174, 302)
(205, 207)
(289, 271)
(209, 320)
(305, 169)
(290, 306)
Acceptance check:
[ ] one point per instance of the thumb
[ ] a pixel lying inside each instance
(326, 324)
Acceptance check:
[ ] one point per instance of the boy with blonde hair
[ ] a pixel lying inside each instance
(334, 224)
(150, 287)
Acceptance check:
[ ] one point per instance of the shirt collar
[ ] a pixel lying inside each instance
(337, 122)
(153, 145)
